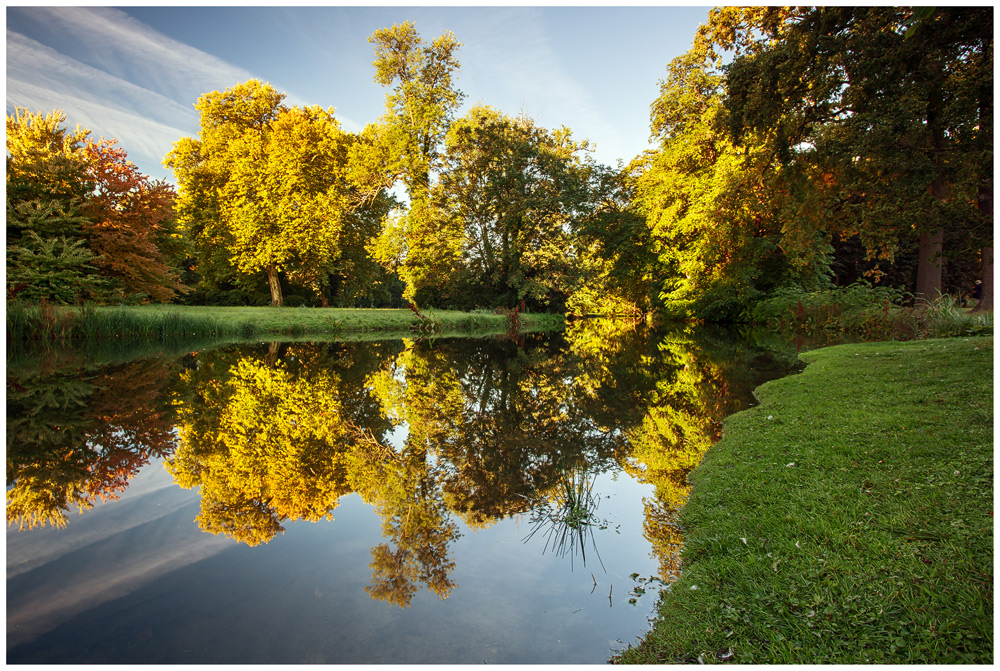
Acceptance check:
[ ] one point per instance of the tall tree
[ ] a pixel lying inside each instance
(405, 145)
(891, 116)
(716, 218)
(265, 184)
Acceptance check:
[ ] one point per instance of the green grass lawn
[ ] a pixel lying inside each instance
(846, 519)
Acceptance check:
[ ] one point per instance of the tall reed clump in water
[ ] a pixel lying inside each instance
(44, 322)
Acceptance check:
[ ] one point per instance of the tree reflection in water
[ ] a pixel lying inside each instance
(493, 429)
(76, 435)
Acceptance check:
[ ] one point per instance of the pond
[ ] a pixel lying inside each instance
(502, 500)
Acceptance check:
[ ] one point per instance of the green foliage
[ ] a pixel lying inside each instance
(264, 188)
(617, 263)
(47, 183)
(892, 130)
(864, 311)
(82, 222)
(714, 214)
(422, 102)
(944, 317)
(53, 269)
(820, 124)
(516, 190)
(859, 309)
(89, 324)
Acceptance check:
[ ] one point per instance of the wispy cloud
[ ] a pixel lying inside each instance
(111, 41)
(145, 122)
(114, 75)
(533, 76)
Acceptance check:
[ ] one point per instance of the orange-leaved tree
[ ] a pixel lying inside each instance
(130, 223)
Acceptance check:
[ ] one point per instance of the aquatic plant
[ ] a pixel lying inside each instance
(569, 518)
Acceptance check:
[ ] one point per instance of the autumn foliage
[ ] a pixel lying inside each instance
(83, 224)
(127, 222)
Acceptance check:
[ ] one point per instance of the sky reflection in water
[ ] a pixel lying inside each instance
(449, 501)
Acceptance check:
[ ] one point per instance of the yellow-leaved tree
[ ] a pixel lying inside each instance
(405, 145)
(263, 188)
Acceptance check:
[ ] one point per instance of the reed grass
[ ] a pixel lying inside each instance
(47, 323)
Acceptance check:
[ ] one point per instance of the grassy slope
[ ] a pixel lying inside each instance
(847, 518)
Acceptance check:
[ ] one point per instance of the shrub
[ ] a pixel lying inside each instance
(867, 312)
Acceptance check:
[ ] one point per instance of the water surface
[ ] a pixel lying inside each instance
(412, 501)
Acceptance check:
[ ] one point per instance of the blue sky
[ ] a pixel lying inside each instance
(134, 73)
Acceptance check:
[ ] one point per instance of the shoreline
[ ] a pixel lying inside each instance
(31, 323)
(847, 518)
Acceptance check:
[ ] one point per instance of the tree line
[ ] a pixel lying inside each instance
(818, 145)
(795, 147)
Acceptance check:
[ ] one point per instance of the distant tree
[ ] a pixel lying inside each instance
(617, 261)
(515, 192)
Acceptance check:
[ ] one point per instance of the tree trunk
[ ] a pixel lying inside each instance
(986, 208)
(929, 266)
(275, 286)
(273, 352)
(986, 302)
(932, 244)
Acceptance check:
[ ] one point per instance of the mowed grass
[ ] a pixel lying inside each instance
(846, 519)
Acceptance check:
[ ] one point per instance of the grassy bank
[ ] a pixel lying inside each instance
(159, 322)
(846, 519)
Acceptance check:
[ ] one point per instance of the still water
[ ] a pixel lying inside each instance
(408, 501)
